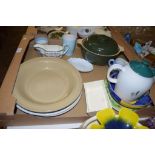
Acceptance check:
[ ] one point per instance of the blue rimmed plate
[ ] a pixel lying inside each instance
(142, 102)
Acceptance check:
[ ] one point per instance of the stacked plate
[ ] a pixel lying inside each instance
(47, 87)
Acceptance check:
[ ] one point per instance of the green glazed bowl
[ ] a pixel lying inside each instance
(98, 49)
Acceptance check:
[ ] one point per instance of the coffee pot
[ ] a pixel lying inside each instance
(133, 80)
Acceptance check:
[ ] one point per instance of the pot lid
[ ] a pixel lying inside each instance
(101, 44)
(142, 68)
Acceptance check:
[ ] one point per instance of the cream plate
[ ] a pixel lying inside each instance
(47, 84)
(56, 113)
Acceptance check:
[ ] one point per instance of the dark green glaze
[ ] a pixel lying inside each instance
(101, 44)
(142, 68)
(96, 59)
(98, 49)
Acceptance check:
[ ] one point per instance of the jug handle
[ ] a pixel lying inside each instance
(111, 68)
(67, 48)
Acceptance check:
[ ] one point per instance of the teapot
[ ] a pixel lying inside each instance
(133, 80)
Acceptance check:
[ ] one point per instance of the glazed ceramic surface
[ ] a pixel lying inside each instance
(70, 41)
(93, 120)
(41, 40)
(129, 84)
(51, 50)
(50, 114)
(119, 61)
(98, 49)
(142, 102)
(56, 34)
(101, 45)
(47, 84)
(85, 31)
(81, 64)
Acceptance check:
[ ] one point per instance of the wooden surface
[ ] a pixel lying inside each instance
(7, 101)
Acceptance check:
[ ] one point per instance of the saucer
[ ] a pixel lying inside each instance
(81, 65)
(142, 102)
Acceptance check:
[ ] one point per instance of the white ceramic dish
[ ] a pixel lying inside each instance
(81, 64)
(41, 40)
(56, 113)
(51, 50)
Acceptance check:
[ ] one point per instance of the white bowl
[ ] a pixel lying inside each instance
(41, 40)
(51, 50)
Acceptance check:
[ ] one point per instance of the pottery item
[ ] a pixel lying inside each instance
(107, 119)
(48, 29)
(70, 41)
(142, 102)
(56, 34)
(41, 40)
(98, 49)
(134, 79)
(50, 114)
(46, 85)
(120, 61)
(51, 50)
(103, 30)
(73, 30)
(81, 64)
(85, 31)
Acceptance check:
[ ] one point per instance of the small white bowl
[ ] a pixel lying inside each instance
(41, 40)
(81, 64)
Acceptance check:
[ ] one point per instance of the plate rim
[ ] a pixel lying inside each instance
(51, 114)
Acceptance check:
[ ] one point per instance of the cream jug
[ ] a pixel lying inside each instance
(133, 80)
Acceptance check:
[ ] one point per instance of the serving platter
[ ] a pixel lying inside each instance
(47, 85)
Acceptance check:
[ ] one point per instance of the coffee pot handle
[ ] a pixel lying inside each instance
(112, 68)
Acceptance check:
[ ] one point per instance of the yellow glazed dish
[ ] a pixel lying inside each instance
(107, 119)
(47, 85)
